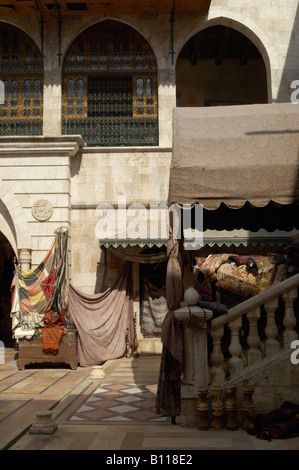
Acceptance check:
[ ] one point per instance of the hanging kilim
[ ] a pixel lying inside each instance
(42, 289)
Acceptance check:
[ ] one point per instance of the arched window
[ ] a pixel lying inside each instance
(110, 87)
(22, 74)
(223, 67)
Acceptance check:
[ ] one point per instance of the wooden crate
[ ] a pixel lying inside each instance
(30, 351)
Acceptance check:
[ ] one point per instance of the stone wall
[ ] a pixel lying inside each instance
(39, 168)
(105, 176)
(33, 170)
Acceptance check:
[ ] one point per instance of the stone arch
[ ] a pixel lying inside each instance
(23, 75)
(25, 27)
(13, 221)
(85, 23)
(110, 86)
(248, 29)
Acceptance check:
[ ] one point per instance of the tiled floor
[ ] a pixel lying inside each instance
(114, 413)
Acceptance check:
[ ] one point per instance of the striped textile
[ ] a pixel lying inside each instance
(37, 290)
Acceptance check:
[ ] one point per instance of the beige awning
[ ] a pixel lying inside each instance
(234, 155)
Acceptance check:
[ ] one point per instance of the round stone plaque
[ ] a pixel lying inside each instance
(42, 210)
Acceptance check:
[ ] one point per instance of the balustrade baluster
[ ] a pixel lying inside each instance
(203, 409)
(254, 354)
(289, 319)
(217, 371)
(217, 409)
(272, 343)
(188, 373)
(248, 407)
(235, 348)
(231, 408)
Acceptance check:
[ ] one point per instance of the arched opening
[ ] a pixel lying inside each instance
(7, 257)
(110, 87)
(220, 66)
(21, 110)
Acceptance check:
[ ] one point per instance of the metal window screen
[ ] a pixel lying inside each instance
(110, 87)
(21, 72)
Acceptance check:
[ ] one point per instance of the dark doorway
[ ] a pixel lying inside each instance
(7, 267)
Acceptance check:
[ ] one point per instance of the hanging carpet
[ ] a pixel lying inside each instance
(102, 320)
(153, 309)
(37, 291)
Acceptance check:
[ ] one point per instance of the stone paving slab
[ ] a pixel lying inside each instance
(78, 411)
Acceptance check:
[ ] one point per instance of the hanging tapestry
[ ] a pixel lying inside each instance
(153, 309)
(103, 320)
(42, 289)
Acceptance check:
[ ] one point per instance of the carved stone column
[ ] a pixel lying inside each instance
(230, 406)
(217, 409)
(196, 368)
(235, 348)
(218, 373)
(254, 354)
(271, 343)
(25, 259)
(248, 407)
(203, 409)
(289, 319)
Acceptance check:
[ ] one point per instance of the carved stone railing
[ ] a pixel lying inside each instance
(194, 321)
(263, 341)
(208, 363)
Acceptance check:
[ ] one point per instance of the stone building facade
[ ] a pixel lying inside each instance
(229, 52)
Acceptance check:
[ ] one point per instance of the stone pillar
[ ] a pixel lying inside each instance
(166, 102)
(25, 259)
(52, 97)
(196, 369)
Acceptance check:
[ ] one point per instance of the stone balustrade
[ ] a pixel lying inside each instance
(269, 320)
(258, 334)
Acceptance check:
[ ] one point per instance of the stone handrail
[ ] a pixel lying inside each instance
(265, 346)
(258, 348)
(268, 294)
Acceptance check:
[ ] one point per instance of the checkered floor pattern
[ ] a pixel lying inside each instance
(119, 403)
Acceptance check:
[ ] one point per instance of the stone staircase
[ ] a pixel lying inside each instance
(245, 354)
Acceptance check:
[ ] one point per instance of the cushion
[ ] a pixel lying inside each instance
(247, 282)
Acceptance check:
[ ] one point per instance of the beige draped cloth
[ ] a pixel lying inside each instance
(102, 320)
(168, 392)
(170, 334)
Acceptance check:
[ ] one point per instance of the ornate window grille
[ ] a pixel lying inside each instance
(21, 71)
(110, 87)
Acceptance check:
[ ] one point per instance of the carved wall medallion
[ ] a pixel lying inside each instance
(42, 210)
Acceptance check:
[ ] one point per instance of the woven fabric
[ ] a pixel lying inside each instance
(153, 309)
(247, 282)
(42, 289)
(52, 331)
(102, 320)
